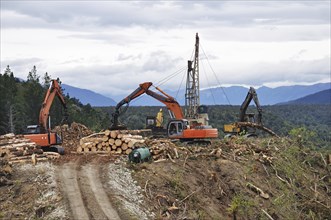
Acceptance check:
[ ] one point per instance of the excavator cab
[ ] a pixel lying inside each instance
(176, 128)
(32, 129)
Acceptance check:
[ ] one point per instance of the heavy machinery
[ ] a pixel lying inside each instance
(246, 119)
(41, 134)
(156, 124)
(178, 127)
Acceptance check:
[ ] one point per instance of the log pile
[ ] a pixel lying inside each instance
(116, 142)
(17, 149)
(162, 149)
(72, 134)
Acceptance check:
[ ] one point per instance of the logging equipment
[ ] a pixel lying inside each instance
(41, 134)
(247, 122)
(178, 127)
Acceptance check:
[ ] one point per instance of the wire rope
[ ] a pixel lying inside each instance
(215, 75)
(212, 95)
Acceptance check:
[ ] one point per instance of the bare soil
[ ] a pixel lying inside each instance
(247, 179)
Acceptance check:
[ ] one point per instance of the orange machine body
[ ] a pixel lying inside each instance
(44, 140)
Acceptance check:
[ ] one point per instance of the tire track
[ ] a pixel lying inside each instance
(100, 195)
(83, 190)
(68, 178)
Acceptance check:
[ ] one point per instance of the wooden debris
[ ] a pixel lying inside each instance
(255, 125)
(258, 190)
(72, 134)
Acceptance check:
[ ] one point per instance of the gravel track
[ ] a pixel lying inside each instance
(83, 190)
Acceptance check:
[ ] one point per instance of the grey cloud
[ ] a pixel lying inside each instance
(171, 14)
(119, 39)
(123, 57)
(161, 61)
(291, 70)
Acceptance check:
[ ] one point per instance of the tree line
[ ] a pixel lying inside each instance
(21, 100)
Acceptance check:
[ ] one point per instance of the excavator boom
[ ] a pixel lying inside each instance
(251, 95)
(54, 90)
(169, 101)
(178, 127)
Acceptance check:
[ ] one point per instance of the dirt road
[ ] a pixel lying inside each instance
(83, 190)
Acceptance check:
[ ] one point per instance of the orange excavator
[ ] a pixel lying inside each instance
(178, 127)
(41, 134)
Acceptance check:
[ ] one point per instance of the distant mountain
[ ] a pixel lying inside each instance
(87, 96)
(235, 95)
(323, 97)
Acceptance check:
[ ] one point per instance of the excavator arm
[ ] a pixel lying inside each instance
(54, 90)
(170, 102)
(251, 95)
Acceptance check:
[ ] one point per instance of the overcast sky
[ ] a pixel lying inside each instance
(112, 46)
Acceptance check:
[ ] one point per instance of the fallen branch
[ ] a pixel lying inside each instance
(146, 188)
(189, 195)
(160, 160)
(185, 160)
(171, 158)
(267, 214)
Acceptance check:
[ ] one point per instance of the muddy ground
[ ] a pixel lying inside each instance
(247, 179)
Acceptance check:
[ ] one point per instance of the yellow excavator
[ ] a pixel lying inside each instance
(248, 122)
(246, 119)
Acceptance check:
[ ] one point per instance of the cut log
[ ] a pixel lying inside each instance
(111, 141)
(113, 134)
(107, 133)
(119, 150)
(124, 146)
(114, 147)
(128, 151)
(118, 142)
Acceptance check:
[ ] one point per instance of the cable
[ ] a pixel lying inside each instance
(215, 75)
(170, 76)
(180, 84)
(203, 67)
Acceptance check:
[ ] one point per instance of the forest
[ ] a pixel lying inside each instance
(20, 103)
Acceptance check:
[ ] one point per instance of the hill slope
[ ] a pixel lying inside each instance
(87, 96)
(323, 97)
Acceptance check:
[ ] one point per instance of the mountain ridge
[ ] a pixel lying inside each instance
(233, 95)
(322, 97)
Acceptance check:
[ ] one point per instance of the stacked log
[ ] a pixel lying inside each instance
(17, 149)
(116, 142)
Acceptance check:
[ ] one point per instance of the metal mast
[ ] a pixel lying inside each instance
(192, 95)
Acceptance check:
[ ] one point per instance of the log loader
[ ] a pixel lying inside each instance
(41, 134)
(178, 127)
(248, 122)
